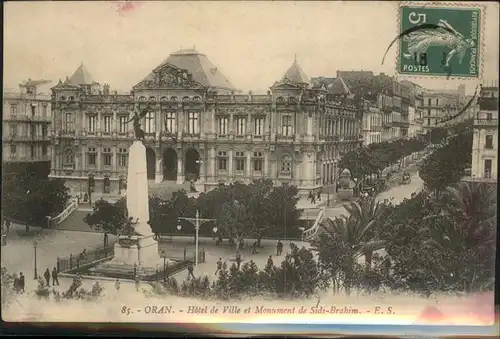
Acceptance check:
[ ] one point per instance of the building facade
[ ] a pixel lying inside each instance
(415, 112)
(485, 144)
(26, 124)
(200, 128)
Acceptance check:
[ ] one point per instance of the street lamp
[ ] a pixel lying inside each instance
(35, 273)
(197, 222)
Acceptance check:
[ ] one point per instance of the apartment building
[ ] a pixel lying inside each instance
(25, 123)
(485, 144)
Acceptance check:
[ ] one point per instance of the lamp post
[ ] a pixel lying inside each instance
(197, 222)
(164, 265)
(35, 271)
(332, 183)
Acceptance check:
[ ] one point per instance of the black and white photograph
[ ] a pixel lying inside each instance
(233, 163)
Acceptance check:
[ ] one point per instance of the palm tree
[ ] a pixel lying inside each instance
(365, 231)
(467, 228)
(473, 206)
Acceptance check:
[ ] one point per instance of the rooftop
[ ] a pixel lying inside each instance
(295, 74)
(202, 69)
(81, 76)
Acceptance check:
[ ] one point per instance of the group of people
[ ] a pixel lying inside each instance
(314, 196)
(19, 283)
(55, 279)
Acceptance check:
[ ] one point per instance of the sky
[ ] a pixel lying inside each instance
(251, 43)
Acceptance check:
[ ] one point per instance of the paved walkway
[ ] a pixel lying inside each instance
(18, 254)
(228, 254)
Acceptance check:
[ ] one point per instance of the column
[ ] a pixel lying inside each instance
(266, 164)
(249, 124)
(230, 169)
(249, 165)
(180, 168)
(213, 130)
(115, 123)
(212, 176)
(158, 123)
(99, 155)
(273, 115)
(53, 164)
(158, 169)
(99, 129)
(83, 161)
(309, 128)
(231, 125)
(180, 124)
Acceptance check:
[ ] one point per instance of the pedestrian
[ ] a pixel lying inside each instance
(254, 247)
(279, 248)
(21, 281)
(313, 198)
(219, 266)
(117, 285)
(319, 195)
(270, 262)
(242, 243)
(190, 271)
(238, 260)
(137, 283)
(46, 275)
(16, 283)
(55, 279)
(7, 225)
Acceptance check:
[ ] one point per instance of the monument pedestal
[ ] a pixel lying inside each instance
(138, 250)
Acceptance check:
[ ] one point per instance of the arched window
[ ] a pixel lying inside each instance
(174, 98)
(279, 100)
(62, 98)
(69, 157)
(142, 98)
(152, 99)
(163, 99)
(186, 99)
(197, 99)
(286, 164)
(292, 100)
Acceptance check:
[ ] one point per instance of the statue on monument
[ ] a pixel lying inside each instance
(138, 115)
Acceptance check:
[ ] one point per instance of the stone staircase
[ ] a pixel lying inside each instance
(325, 222)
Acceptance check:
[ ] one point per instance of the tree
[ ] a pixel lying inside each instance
(298, 274)
(31, 199)
(356, 234)
(282, 213)
(445, 242)
(234, 221)
(259, 206)
(109, 218)
(368, 214)
(447, 164)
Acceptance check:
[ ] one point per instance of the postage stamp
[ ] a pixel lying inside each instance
(440, 40)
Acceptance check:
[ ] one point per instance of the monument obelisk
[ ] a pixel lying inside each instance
(139, 248)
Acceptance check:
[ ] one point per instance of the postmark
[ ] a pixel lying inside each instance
(440, 40)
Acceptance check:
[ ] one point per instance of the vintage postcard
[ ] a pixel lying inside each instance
(251, 167)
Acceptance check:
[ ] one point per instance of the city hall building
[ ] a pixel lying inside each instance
(200, 128)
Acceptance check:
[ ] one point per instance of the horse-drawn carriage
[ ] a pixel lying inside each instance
(406, 178)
